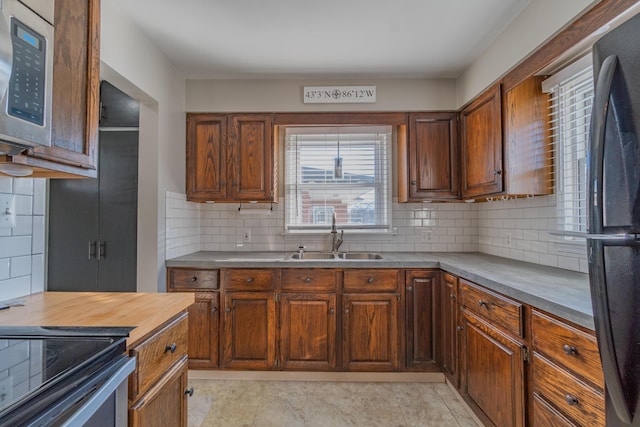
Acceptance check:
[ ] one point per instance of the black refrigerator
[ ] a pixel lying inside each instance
(613, 201)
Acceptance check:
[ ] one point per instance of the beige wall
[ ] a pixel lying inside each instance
(537, 23)
(131, 62)
(286, 95)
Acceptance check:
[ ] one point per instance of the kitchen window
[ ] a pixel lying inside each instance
(343, 169)
(571, 92)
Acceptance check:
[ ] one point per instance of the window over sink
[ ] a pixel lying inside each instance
(338, 169)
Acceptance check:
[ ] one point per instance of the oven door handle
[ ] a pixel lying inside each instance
(117, 383)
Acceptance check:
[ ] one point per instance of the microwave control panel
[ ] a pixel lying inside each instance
(26, 92)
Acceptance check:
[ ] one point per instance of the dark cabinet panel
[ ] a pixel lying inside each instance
(422, 310)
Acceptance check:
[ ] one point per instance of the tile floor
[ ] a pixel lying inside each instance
(335, 404)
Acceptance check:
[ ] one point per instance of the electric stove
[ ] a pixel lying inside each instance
(48, 374)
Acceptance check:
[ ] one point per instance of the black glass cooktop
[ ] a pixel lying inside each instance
(38, 363)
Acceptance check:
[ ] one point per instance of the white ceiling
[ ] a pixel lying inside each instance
(236, 39)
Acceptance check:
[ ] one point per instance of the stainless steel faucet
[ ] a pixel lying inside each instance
(335, 241)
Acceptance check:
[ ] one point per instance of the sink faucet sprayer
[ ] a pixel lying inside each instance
(335, 242)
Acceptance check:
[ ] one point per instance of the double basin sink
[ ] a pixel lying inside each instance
(329, 256)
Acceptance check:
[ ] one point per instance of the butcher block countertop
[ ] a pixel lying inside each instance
(143, 311)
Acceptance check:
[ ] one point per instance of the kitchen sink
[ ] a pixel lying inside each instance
(360, 255)
(313, 256)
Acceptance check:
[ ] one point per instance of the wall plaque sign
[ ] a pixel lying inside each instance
(339, 94)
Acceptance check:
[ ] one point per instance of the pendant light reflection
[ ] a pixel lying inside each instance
(337, 166)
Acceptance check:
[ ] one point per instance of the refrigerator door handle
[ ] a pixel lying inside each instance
(600, 298)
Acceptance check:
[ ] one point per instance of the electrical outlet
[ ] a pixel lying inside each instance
(426, 235)
(246, 236)
(508, 239)
(6, 390)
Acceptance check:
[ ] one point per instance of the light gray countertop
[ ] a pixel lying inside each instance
(561, 292)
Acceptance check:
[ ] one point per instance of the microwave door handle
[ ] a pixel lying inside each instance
(599, 285)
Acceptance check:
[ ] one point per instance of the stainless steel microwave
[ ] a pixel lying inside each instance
(26, 78)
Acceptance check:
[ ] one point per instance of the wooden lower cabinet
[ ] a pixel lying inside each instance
(249, 333)
(492, 372)
(370, 340)
(308, 331)
(449, 303)
(165, 404)
(422, 319)
(203, 331)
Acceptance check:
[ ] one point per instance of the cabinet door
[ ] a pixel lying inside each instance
(249, 330)
(450, 328)
(252, 165)
(433, 157)
(203, 331)
(308, 331)
(370, 332)
(165, 403)
(76, 81)
(492, 372)
(422, 324)
(481, 145)
(206, 157)
(527, 153)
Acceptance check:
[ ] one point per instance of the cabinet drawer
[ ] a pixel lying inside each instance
(544, 415)
(249, 279)
(568, 346)
(157, 354)
(192, 279)
(576, 399)
(364, 280)
(497, 309)
(308, 279)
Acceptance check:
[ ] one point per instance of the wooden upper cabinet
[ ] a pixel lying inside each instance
(481, 145)
(231, 158)
(76, 95)
(252, 158)
(428, 163)
(527, 150)
(206, 157)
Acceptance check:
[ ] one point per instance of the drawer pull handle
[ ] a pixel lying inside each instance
(370, 280)
(189, 392)
(483, 303)
(249, 279)
(172, 348)
(194, 279)
(308, 280)
(571, 400)
(570, 350)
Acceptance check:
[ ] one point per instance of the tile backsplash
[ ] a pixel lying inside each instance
(515, 229)
(22, 248)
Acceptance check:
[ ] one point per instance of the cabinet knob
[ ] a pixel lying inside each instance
(459, 328)
(331, 311)
(413, 182)
(172, 348)
(571, 400)
(228, 309)
(307, 280)
(497, 172)
(483, 303)
(346, 311)
(370, 280)
(409, 288)
(214, 309)
(249, 279)
(189, 392)
(570, 350)
(452, 296)
(194, 279)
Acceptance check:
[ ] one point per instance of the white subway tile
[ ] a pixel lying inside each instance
(15, 288)
(23, 186)
(21, 266)
(6, 185)
(15, 246)
(5, 268)
(38, 235)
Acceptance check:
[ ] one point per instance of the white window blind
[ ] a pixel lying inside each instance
(570, 111)
(345, 170)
